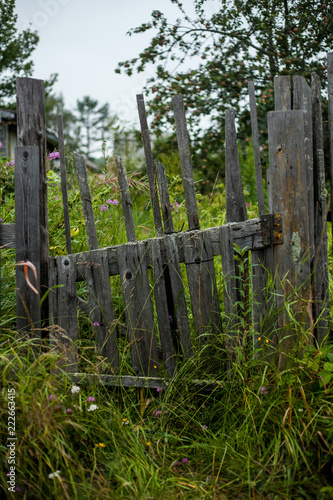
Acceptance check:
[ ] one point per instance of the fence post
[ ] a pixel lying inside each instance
(31, 131)
(287, 187)
(27, 238)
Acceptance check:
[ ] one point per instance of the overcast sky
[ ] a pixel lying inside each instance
(83, 40)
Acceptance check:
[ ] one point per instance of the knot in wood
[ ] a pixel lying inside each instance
(128, 275)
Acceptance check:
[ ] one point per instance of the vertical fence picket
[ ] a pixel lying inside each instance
(178, 293)
(64, 184)
(138, 308)
(288, 184)
(330, 122)
(125, 200)
(150, 165)
(165, 198)
(235, 212)
(31, 131)
(320, 263)
(27, 238)
(282, 93)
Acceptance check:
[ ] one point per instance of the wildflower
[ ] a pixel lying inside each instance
(170, 319)
(112, 202)
(248, 205)
(52, 397)
(267, 341)
(158, 413)
(175, 464)
(92, 408)
(159, 389)
(259, 338)
(125, 421)
(185, 461)
(75, 389)
(263, 390)
(69, 411)
(103, 208)
(95, 323)
(54, 155)
(54, 474)
(204, 426)
(91, 399)
(1, 219)
(10, 163)
(175, 207)
(149, 443)
(100, 445)
(0, 144)
(58, 407)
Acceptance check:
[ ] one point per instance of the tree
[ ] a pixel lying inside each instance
(96, 122)
(15, 51)
(244, 40)
(54, 105)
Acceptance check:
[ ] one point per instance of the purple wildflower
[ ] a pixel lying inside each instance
(159, 389)
(263, 390)
(1, 219)
(54, 155)
(103, 208)
(91, 399)
(204, 426)
(174, 207)
(175, 464)
(185, 461)
(0, 144)
(158, 413)
(95, 323)
(52, 397)
(69, 411)
(58, 407)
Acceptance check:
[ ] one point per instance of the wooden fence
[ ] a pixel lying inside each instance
(289, 243)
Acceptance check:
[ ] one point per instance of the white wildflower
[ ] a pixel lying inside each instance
(75, 389)
(54, 474)
(92, 408)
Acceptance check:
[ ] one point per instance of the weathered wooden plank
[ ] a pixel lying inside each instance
(288, 185)
(125, 200)
(101, 307)
(165, 198)
(161, 305)
(231, 295)
(64, 185)
(7, 235)
(330, 121)
(86, 201)
(138, 308)
(27, 238)
(244, 234)
(302, 100)
(282, 93)
(150, 165)
(185, 162)
(235, 201)
(66, 313)
(31, 131)
(202, 285)
(256, 149)
(320, 263)
(169, 245)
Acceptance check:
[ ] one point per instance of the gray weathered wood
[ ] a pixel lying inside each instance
(256, 149)
(320, 263)
(164, 197)
(101, 307)
(169, 245)
(282, 93)
(138, 308)
(185, 162)
(125, 200)
(86, 201)
(231, 295)
(235, 201)
(202, 285)
(150, 165)
(161, 305)
(288, 185)
(64, 185)
(66, 313)
(302, 100)
(31, 131)
(7, 235)
(330, 121)
(245, 234)
(27, 238)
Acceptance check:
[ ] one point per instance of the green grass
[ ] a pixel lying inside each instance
(262, 432)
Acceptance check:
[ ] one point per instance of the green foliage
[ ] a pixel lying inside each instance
(209, 59)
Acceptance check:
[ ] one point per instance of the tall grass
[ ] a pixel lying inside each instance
(252, 431)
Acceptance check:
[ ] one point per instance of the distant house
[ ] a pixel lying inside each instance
(8, 133)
